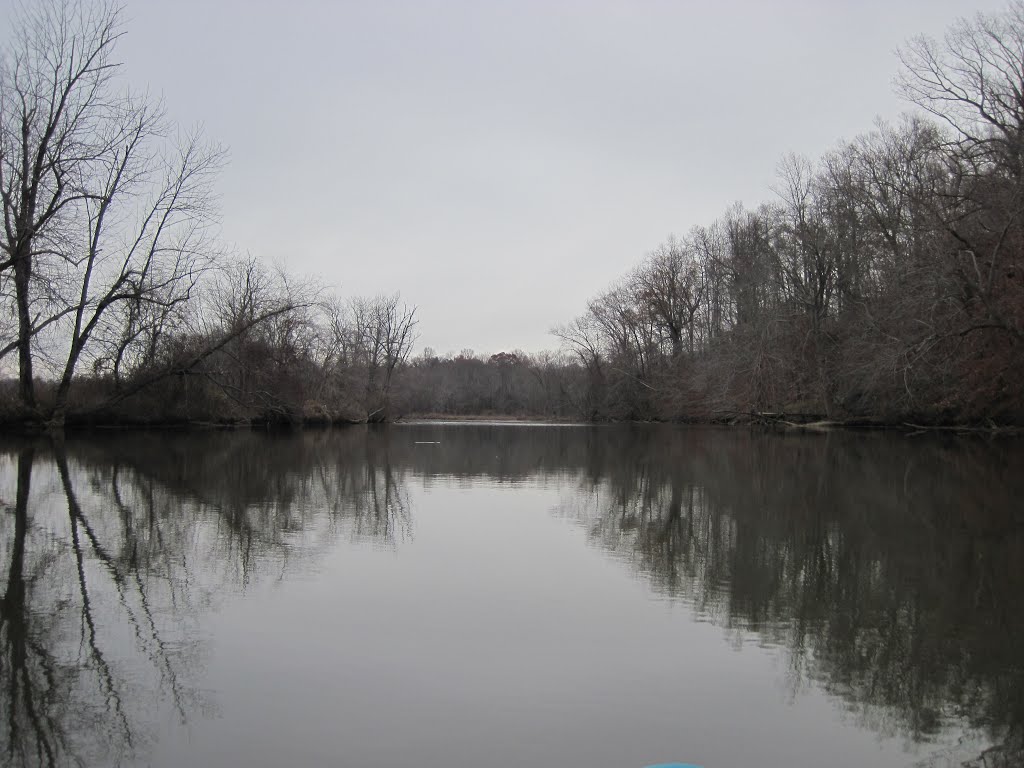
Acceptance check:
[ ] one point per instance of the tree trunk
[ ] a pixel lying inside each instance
(55, 420)
(22, 278)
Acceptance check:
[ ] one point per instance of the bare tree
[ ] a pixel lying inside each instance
(671, 286)
(55, 91)
(383, 329)
(103, 206)
(258, 337)
(973, 80)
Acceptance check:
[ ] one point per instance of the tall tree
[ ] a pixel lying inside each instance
(103, 206)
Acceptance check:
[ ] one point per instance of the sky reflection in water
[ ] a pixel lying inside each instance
(449, 595)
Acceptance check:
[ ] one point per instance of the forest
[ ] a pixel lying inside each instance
(879, 284)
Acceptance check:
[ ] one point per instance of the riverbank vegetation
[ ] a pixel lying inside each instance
(882, 283)
(118, 303)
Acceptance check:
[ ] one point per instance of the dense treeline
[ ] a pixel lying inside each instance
(883, 281)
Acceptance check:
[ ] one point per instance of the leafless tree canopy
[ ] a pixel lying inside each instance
(881, 282)
(109, 267)
(106, 207)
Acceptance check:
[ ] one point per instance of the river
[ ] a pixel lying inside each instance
(446, 595)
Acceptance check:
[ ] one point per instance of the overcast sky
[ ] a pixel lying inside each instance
(501, 162)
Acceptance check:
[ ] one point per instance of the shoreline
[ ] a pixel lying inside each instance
(773, 422)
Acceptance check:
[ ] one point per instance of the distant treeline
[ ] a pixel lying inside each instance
(884, 282)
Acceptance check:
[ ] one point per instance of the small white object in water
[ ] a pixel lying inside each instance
(427, 442)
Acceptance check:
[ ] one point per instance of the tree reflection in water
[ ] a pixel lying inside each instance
(76, 583)
(115, 546)
(890, 569)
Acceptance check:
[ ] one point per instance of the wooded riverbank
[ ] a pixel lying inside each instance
(883, 284)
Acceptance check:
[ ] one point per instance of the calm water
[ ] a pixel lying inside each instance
(510, 596)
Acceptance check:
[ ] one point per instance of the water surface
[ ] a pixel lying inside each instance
(463, 595)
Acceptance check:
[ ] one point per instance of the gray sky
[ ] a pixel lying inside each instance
(501, 162)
